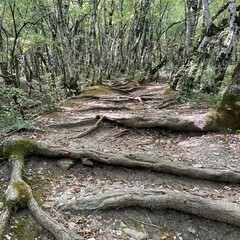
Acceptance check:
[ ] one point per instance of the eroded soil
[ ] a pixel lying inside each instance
(55, 184)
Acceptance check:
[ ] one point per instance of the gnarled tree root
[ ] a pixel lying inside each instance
(196, 123)
(89, 130)
(19, 195)
(161, 199)
(30, 147)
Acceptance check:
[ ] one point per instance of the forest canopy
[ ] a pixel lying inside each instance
(53, 49)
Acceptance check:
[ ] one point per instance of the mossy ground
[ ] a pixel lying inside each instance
(97, 90)
(23, 227)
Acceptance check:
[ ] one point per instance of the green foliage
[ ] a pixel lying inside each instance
(199, 99)
(51, 95)
(12, 101)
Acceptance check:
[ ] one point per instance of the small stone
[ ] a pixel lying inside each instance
(45, 205)
(72, 225)
(191, 230)
(65, 164)
(51, 204)
(87, 162)
(135, 234)
(8, 237)
(122, 224)
(198, 165)
(99, 218)
(146, 142)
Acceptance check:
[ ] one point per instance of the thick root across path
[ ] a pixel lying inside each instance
(19, 194)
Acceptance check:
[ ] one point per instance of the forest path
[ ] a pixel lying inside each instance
(66, 181)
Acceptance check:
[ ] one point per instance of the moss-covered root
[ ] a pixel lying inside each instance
(18, 147)
(16, 195)
(4, 219)
(19, 194)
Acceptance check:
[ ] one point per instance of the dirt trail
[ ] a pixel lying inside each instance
(63, 180)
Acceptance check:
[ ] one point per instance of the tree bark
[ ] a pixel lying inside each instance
(19, 194)
(223, 57)
(161, 199)
(229, 107)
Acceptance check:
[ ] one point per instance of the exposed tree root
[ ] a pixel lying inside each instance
(89, 130)
(127, 160)
(105, 108)
(196, 123)
(50, 224)
(120, 134)
(19, 194)
(4, 219)
(161, 199)
(165, 104)
(144, 161)
(83, 122)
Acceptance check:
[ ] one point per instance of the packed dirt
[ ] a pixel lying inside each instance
(58, 181)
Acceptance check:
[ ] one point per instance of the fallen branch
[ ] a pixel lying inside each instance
(89, 130)
(161, 199)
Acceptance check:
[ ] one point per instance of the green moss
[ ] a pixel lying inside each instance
(168, 91)
(18, 148)
(212, 117)
(20, 227)
(24, 227)
(4, 200)
(22, 199)
(130, 157)
(39, 187)
(97, 90)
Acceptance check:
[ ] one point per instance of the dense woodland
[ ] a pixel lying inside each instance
(68, 64)
(54, 49)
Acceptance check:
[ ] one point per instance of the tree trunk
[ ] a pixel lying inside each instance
(223, 57)
(229, 108)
